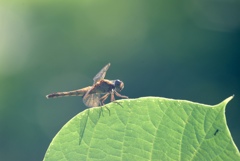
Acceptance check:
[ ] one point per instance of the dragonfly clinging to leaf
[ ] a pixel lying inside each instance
(96, 94)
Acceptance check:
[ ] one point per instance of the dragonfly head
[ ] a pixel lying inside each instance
(119, 85)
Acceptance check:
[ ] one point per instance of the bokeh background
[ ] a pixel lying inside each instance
(177, 49)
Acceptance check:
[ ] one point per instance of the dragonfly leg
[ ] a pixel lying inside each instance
(122, 96)
(103, 98)
(112, 97)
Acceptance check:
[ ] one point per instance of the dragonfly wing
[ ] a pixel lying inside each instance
(101, 74)
(92, 100)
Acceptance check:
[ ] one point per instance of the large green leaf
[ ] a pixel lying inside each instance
(149, 128)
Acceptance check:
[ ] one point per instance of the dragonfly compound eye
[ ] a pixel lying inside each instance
(119, 85)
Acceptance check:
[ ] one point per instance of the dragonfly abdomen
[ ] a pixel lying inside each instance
(79, 92)
(62, 94)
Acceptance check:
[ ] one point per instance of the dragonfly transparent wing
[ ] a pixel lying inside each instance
(101, 74)
(92, 100)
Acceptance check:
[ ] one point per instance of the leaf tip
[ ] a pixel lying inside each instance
(228, 99)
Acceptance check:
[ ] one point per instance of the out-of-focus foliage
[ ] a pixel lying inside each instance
(176, 49)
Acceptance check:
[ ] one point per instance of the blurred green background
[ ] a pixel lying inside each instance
(176, 49)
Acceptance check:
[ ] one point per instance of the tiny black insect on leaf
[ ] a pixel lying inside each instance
(215, 133)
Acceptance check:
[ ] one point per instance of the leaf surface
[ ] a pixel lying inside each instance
(148, 128)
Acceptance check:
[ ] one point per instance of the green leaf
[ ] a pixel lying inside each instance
(149, 128)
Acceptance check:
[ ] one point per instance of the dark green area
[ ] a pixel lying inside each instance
(182, 50)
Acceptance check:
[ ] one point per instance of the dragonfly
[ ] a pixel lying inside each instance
(96, 94)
